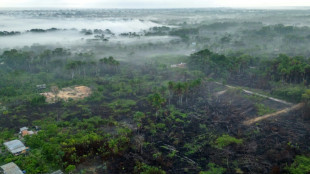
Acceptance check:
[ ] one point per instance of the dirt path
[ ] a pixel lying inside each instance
(278, 113)
(270, 98)
(260, 118)
(253, 93)
(220, 93)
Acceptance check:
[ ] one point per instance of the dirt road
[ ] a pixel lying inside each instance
(278, 113)
(260, 118)
(254, 93)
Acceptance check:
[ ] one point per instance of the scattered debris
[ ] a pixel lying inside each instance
(220, 93)
(10, 168)
(75, 93)
(16, 147)
(181, 65)
(57, 172)
(37, 128)
(43, 86)
(24, 131)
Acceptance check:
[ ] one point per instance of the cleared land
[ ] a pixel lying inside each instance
(75, 93)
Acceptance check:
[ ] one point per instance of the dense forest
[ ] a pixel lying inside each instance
(223, 108)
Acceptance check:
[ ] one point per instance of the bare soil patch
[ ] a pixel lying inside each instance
(74, 93)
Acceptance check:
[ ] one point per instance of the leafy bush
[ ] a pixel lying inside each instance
(293, 94)
(213, 169)
(123, 103)
(38, 100)
(306, 96)
(262, 109)
(301, 165)
(146, 169)
(70, 168)
(226, 140)
(8, 91)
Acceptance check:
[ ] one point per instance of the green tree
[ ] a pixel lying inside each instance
(156, 101)
(306, 100)
(72, 65)
(179, 89)
(138, 116)
(171, 90)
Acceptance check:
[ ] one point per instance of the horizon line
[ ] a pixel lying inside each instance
(141, 8)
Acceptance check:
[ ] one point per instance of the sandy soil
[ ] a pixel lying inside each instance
(220, 93)
(75, 93)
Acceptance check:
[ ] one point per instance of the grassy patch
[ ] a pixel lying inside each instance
(226, 140)
(263, 109)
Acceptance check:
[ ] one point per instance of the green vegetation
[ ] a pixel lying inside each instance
(301, 165)
(290, 73)
(289, 93)
(262, 109)
(147, 115)
(214, 169)
(147, 110)
(226, 140)
(146, 169)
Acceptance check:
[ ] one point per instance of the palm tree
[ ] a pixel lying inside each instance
(186, 86)
(170, 88)
(71, 66)
(179, 89)
(306, 100)
(156, 101)
(195, 84)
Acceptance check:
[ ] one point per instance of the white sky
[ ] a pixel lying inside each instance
(152, 3)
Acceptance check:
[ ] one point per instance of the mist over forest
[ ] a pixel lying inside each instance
(155, 91)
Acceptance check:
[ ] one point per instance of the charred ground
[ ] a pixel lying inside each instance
(149, 113)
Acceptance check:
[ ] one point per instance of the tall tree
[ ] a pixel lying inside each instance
(171, 90)
(179, 89)
(156, 101)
